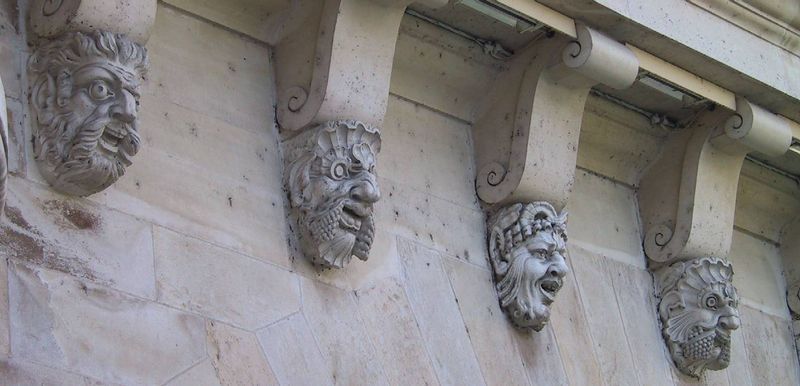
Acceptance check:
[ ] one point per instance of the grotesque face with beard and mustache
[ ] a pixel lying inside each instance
(85, 96)
(527, 245)
(332, 186)
(698, 309)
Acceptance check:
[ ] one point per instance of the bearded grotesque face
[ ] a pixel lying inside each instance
(527, 245)
(698, 309)
(85, 96)
(332, 187)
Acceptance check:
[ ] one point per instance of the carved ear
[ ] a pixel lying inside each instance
(43, 95)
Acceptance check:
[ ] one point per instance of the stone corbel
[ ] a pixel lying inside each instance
(526, 141)
(333, 73)
(687, 201)
(688, 197)
(526, 144)
(85, 77)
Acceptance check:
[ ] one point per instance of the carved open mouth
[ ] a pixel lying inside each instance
(353, 215)
(112, 136)
(550, 288)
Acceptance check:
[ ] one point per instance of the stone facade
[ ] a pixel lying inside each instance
(185, 270)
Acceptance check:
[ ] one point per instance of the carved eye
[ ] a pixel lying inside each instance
(356, 167)
(339, 170)
(99, 90)
(712, 301)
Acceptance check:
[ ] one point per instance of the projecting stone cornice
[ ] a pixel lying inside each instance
(526, 138)
(688, 197)
(338, 63)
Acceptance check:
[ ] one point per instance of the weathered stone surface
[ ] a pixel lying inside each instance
(223, 285)
(489, 329)
(438, 316)
(604, 219)
(334, 321)
(331, 178)
(389, 321)
(431, 153)
(541, 356)
(597, 296)
(84, 141)
(433, 222)
(293, 353)
(5, 344)
(236, 356)
(80, 327)
(575, 343)
(17, 372)
(79, 238)
(201, 374)
(770, 348)
(759, 274)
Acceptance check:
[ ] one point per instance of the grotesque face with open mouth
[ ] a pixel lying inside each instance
(698, 309)
(332, 186)
(85, 97)
(527, 246)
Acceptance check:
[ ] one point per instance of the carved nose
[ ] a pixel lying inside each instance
(558, 268)
(729, 322)
(125, 108)
(365, 191)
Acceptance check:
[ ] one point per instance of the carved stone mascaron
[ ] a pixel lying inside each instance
(527, 245)
(85, 100)
(698, 308)
(332, 186)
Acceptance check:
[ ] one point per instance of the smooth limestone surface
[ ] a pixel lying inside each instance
(185, 272)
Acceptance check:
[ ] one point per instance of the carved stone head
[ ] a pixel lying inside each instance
(698, 307)
(85, 97)
(332, 187)
(527, 244)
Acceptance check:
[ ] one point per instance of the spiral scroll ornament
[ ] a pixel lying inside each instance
(656, 239)
(50, 7)
(296, 98)
(494, 173)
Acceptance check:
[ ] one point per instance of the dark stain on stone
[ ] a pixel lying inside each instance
(15, 216)
(75, 216)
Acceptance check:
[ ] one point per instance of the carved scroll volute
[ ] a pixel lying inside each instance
(688, 197)
(134, 19)
(527, 140)
(338, 64)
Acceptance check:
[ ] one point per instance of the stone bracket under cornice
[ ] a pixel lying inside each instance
(688, 196)
(134, 19)
(526, 137)
(338, 64)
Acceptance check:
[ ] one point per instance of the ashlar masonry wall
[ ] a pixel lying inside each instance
(185, 272)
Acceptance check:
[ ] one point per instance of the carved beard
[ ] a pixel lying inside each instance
(704, 348)
(87, 156)
(524, 296)
(339, 234)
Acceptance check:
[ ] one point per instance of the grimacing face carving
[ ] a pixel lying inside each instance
(527, 245)
(698, 309)
(85, 97)
(332, 187)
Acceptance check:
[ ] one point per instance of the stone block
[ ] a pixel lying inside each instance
(185, 50)
(758, 274)
(490, 331)
(5, 344)
(236, 356)
(17, 146)
(91, 330)
(433, 222)
(223, 285)
(246, 16)
(541, 356)
(770, 348)
(439, 319)
(603, 217)
(431, 154)
(77, 237)
(765, 201)
(598, 296)
(633, 290)
(333, 318)
(201, 374)
(387, 318)
(293, 353)
(17, 372)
